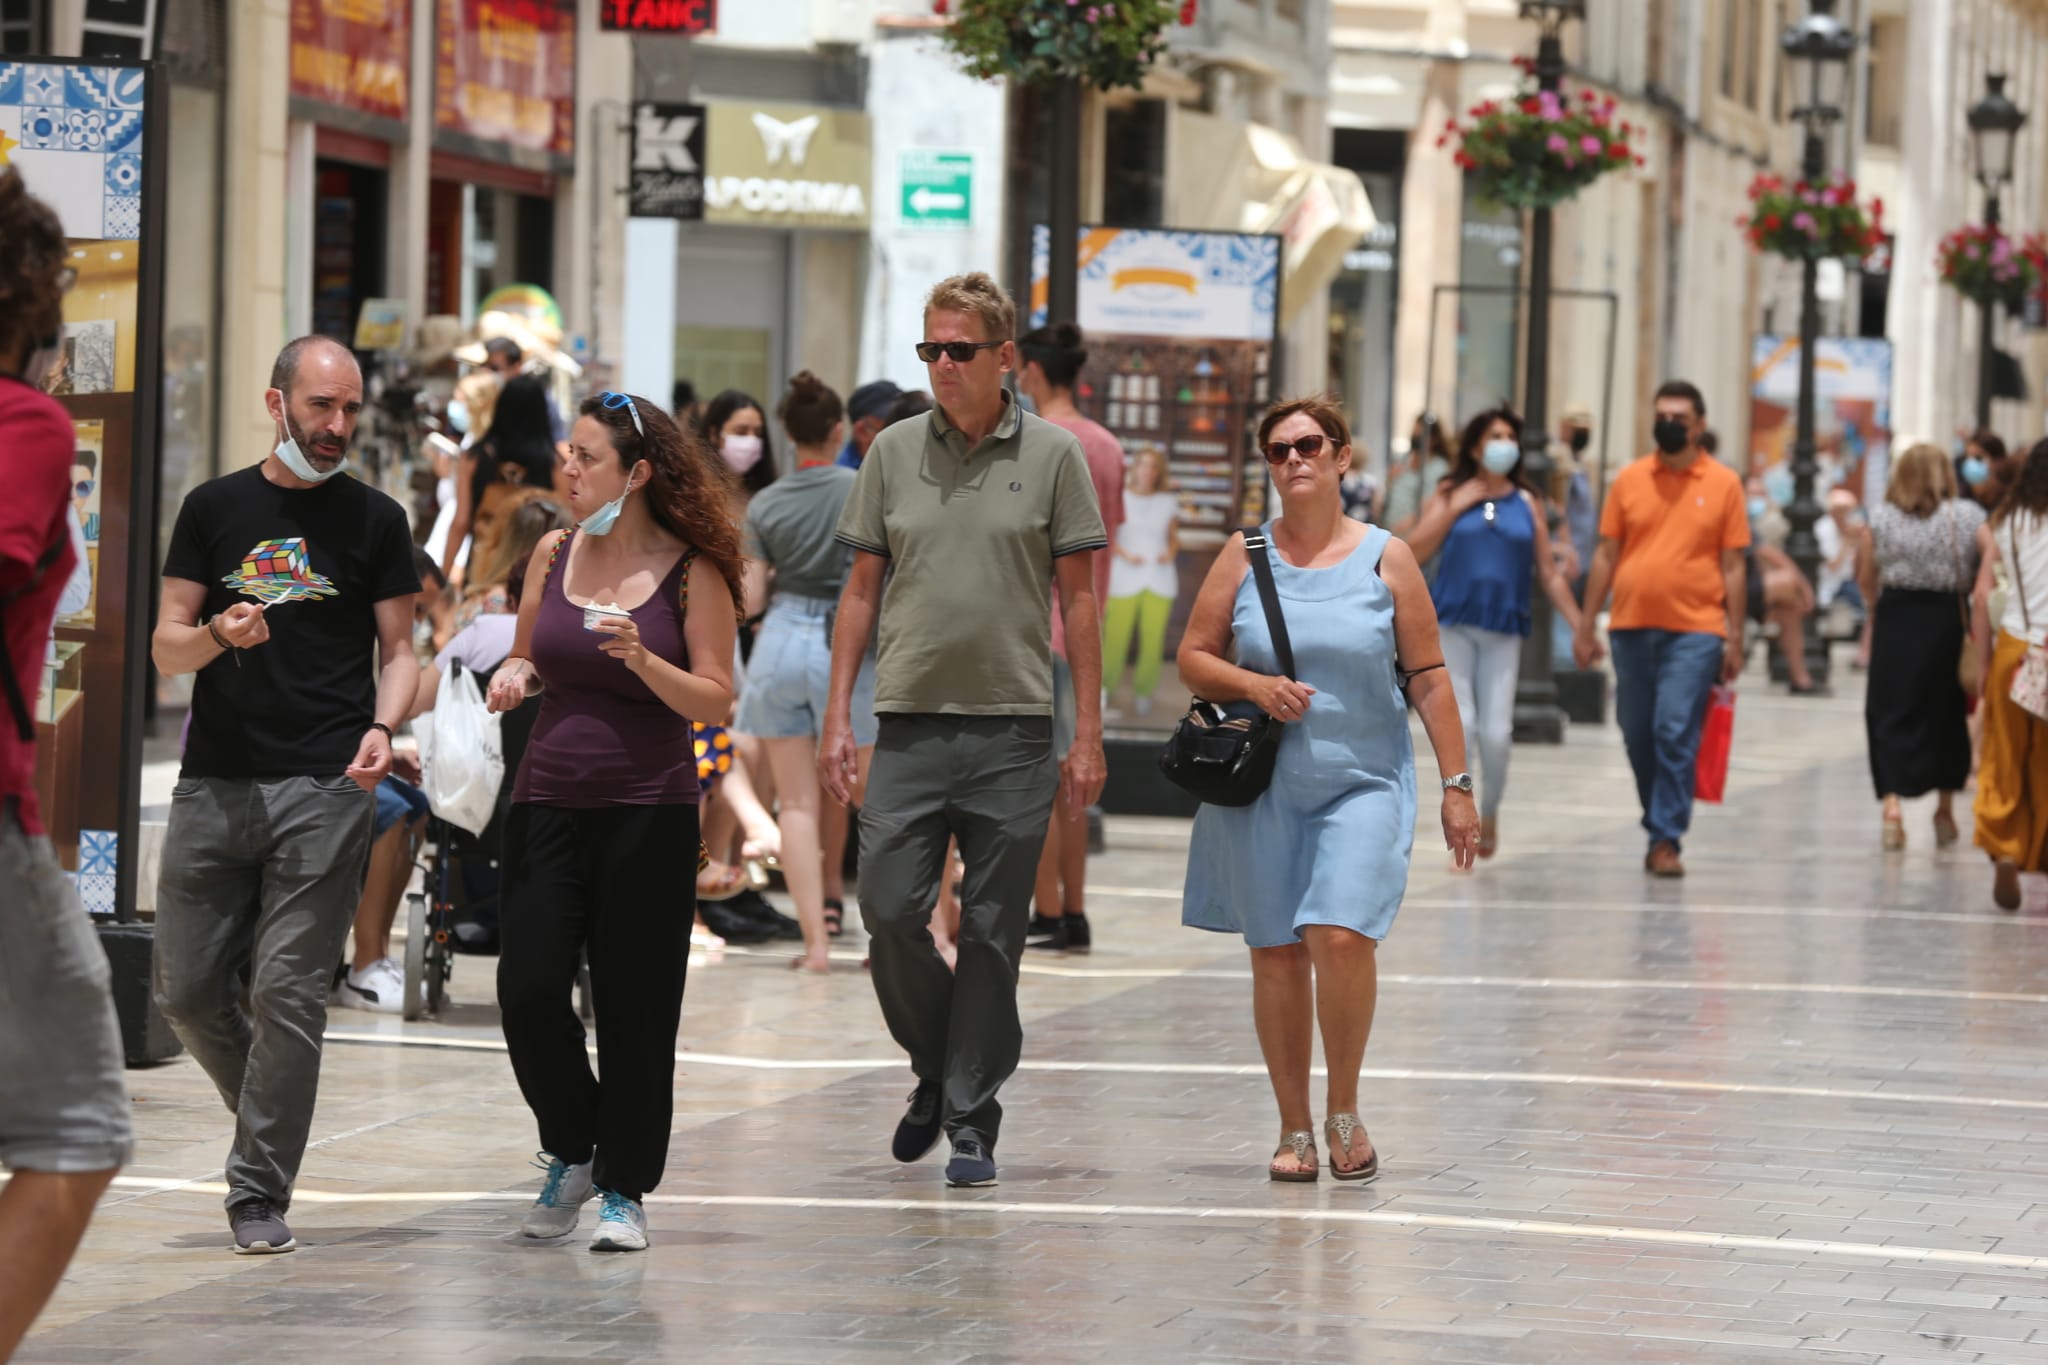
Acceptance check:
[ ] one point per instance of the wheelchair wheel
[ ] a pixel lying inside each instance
(440, 965)
(415, 954)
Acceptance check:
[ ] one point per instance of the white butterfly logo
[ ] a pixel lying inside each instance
(792, 139)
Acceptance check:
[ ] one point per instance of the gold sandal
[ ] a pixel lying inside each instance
(1339, 1129)
(1303, 1143)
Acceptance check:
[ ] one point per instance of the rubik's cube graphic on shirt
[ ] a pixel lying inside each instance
(279, 571)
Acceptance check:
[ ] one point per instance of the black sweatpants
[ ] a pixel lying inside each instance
(619, 882)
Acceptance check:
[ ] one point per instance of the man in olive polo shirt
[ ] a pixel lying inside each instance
(971, 513)
(1671, 545)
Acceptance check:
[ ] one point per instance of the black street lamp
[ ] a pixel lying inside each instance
(1994, 122)
(1824, 44)
(1538, 717)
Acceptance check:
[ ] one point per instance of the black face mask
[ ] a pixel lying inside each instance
(1671, 435)
(1581, 438)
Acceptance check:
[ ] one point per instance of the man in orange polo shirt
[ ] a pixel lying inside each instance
(1671, 542)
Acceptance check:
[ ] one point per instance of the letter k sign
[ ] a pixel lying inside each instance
(662, 144)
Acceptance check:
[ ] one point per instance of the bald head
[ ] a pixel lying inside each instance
(284, 373)
(316, 394)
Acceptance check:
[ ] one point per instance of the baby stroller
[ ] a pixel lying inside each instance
(463, 880)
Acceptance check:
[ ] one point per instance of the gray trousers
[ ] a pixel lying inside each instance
(63, 1105)
(989, 782)
(260, 883)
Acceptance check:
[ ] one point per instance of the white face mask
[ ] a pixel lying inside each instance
(295, 459)
(741, 452)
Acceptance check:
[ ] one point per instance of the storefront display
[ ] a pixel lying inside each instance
(505, 79)
(1180, 331)
(88, 141)
(356, 56)
(1853, 414)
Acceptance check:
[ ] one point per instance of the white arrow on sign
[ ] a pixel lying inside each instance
(925, 201)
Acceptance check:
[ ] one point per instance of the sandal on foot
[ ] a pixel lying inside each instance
(723, 886)
(1339, 1129)
(1894, 834)
(835, 918)
(1945, 832)
(1303, 1144)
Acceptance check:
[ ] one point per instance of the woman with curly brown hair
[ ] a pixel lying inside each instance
(629, 622)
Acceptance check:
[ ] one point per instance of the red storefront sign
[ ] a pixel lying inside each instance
(354, 54)
(505, 71)
(659, 16)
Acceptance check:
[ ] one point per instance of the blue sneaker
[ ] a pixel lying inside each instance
(562, 1196)
(621, 1224)
(971, 1164)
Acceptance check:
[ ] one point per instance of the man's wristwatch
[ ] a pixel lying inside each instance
(1461, 783)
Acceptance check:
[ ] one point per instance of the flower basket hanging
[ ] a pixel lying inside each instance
(1985, 266)
(1805, 220)
(1541, 147)
(1104, 43)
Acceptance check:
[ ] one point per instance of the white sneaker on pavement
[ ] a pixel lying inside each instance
(621, 1225)
(379, 987)
(562, 1196)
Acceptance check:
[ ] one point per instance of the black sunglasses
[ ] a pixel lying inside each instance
(1276, 452)
(959, 352)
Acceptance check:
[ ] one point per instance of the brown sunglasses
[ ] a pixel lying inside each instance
(1277, 452)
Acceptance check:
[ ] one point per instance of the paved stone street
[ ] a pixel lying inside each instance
(1792, 1107)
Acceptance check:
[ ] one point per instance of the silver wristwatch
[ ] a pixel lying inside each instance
(1461, 783)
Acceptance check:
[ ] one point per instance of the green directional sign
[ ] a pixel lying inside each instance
(938, 189)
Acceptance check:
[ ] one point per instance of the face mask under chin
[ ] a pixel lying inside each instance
(294, 458)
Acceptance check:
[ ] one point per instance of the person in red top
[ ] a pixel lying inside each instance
(1671, 542)
(64, 1123)
(1053, 357)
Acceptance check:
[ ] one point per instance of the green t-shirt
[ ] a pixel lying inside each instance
(791, 527)
(971, 536)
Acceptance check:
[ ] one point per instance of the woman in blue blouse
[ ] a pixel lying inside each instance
(1487, 531)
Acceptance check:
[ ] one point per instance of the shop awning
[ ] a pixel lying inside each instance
(1321, 212)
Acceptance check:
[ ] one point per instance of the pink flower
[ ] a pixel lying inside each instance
(1557, 144)
(1590, 145)
(1803, 222)
(1552, 109)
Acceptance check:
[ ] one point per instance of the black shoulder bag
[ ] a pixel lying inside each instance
(1225, 761)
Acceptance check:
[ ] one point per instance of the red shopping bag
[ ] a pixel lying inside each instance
(1717, 737)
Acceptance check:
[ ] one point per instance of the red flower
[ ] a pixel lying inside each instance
(1772, 222)
(1617, 152)
(1532, 106)
(1187, 13)
(939, 6)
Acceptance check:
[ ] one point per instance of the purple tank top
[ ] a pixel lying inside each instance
(603, 738)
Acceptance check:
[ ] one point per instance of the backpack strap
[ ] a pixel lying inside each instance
(24, 719)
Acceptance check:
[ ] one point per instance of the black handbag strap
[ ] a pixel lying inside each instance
(24, 722)
(1257, 551)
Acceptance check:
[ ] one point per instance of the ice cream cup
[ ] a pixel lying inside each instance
(598, 612)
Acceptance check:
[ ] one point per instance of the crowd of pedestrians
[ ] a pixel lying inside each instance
(722, 634)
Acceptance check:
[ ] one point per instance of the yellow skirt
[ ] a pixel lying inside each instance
(2012, 780)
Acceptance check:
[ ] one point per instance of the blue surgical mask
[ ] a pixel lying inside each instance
(1500, 456)
(601, 521)
(1975, 471)
(1758, 505)
(1778, 485)
(295, 459)
(458, 415)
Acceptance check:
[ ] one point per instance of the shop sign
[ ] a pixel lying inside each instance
(354, 54)
(938, 189)
(668, 162)
(786, 165)
(505, 71)
(689, 17)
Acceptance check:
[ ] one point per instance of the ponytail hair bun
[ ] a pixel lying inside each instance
(810, 409)
(1059, 350)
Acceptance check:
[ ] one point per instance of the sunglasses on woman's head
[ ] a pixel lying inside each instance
(614, 401)
(1308, 447)
(959, 352)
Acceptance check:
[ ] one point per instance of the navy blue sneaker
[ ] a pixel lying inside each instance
(918, 1130)
(971, 1165)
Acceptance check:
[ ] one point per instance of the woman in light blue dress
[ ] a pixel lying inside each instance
(1312, 873)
